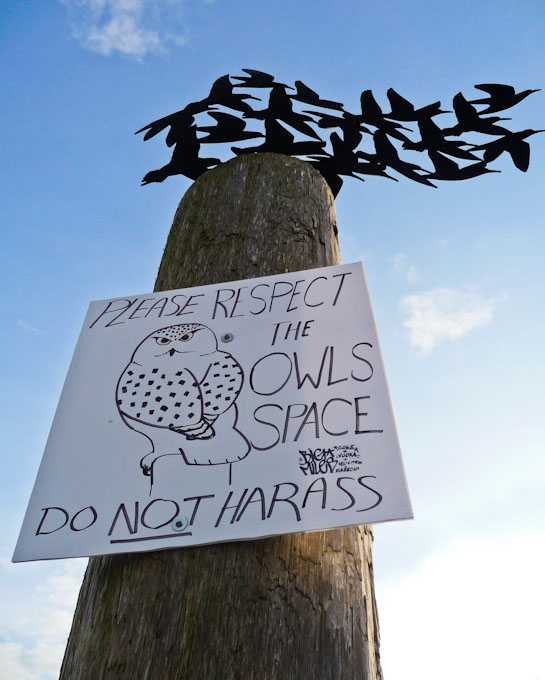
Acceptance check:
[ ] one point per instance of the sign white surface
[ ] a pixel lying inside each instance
(218, 413)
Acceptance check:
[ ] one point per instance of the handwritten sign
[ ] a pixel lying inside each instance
(218, 413)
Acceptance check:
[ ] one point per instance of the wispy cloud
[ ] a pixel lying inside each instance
(27, 327)
(444, 314)
(402, 267)
(129, 27)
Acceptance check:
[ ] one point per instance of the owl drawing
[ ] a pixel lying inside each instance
(175, 387)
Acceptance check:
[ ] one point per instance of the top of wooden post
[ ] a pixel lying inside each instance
(255, 215)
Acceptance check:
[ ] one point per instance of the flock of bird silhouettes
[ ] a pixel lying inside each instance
(343, 159)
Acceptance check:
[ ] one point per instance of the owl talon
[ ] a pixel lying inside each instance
(201, 430)
(209, 433)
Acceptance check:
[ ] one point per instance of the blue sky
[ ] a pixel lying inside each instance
(455, 275)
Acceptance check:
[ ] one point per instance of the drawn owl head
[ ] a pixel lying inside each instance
(172, 342)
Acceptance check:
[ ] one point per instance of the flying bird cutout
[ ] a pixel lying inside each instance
(338, 142)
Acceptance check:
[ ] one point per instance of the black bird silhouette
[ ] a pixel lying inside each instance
(281, 108)
(371, 114)
(342, 161)
(279, 140)
(307, 96)
(257, 79)
(447, 170)
(180, 123)
(228, 129)
(346, 161)
(372, 167)
(402, 109)
(469, 120)
(282, 122)
(500, 97)
(514, 144)
(185, 161)
(432, 138)
(328, 172)
(222, 93)
(386, 153)
(349, 126)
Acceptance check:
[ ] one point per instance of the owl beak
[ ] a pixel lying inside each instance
(172, 352)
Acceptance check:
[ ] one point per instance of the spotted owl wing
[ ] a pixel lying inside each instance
(151, 396)
(221, 385)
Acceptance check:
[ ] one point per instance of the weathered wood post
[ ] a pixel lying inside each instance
(291, 607)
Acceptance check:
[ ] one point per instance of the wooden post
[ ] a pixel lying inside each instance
(290, 607)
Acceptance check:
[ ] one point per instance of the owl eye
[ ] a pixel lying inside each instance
(162, 341)
(186, 337)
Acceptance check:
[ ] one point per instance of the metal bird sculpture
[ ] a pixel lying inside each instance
(297, 121)
(228, 129)
(448, 170)
(279, 140)
(308, 96)
(469, 120)
(514, 144)
(500, 97)
(402, 109)
(280, 107)
(185, 160)
(257, 79)
(432, 138)
(371, 114)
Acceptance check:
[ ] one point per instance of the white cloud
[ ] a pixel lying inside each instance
(123, 34)
(444, 314)
(13, 663)
(41, 661)
(34, 629)
(473, 611)
(130, 27)
(62, 588)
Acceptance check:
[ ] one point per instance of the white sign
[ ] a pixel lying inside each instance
(219, 413)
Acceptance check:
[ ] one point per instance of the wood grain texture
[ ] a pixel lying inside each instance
(291, 607)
